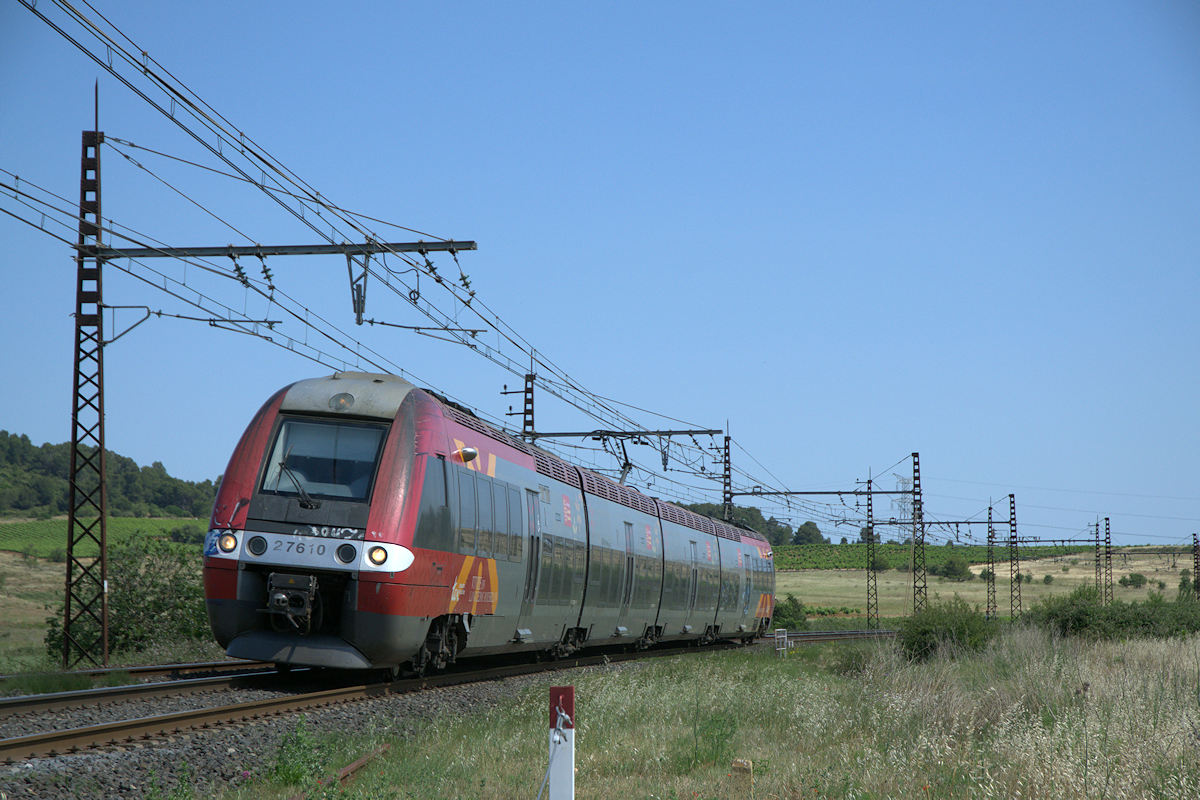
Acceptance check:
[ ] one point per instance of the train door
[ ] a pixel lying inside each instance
(747, 588)
(627, 584)
(533, 557)
(693, 586)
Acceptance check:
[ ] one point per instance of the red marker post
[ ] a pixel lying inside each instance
(562, 743)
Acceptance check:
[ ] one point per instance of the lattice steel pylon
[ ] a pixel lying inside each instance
(85, 610)
(727, 484)
(1196, 565)
(1099, 563)
(872, 586)
(991, 561)
(920, 580)
(1014, 561)
(1108, 592)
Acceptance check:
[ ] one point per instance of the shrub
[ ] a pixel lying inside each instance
(1049, 579)
(955, 568)
(1134, 580)
(155, 593)
(952, 622)
(1082, 613)
(790, 614)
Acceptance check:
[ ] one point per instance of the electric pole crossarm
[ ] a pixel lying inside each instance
(366, 248)
(620, 434)
(753, 493)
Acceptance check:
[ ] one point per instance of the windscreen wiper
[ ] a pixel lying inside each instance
(306, 500)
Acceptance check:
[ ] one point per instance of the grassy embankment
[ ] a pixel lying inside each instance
(1031, 716)
(30, 583)
(848, 588)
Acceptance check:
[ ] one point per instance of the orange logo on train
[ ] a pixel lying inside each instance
(476, 590)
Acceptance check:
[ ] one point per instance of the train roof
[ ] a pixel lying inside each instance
(379, 395)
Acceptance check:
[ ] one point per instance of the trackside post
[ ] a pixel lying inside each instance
(561, 772)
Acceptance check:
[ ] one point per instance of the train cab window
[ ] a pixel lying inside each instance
(467, 518)
(484, 545)
(320, 458)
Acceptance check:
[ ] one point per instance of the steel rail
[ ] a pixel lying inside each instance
(151, 670)
(54, 701)
(833, 636)
(105, 734)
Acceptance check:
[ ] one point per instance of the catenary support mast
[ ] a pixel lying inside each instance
(85, 609)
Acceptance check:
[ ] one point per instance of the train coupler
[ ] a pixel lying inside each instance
(291, 600)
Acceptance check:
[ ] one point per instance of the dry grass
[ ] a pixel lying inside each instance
(848, 588)
(27, 585)
(1033, 716)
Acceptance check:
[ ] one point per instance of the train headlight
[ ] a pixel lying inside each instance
(227, 542)
(346, 553)
(377, 555)
(342, 401)
(257, 545)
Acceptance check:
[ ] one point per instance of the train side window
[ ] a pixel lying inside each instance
(514, 524)
(484, 545)
(502, 533)
(467, 517)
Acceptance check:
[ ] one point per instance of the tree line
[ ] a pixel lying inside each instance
(33, 483)
(775, 531)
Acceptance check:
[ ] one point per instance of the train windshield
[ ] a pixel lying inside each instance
(318, 458)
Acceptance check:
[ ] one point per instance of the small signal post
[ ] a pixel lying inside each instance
(562, 743)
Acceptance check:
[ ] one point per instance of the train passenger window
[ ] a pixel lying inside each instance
(500, 504)
(514, 524)
(484, 545)
(466, 512)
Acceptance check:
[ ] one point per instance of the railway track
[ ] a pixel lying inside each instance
(140, 729)
(171, 671)
(810, 637)
(74, 740)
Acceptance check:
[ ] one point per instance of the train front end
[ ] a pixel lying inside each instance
(310, 540)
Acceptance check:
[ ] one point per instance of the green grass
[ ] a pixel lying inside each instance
(43, 537)
(1029, 716)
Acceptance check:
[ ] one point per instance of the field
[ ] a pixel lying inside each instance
(848, 588)
(27, 586)
(1031, 716)
(43, 537)
(854, 556)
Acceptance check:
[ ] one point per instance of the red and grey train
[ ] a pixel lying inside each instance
(363, 522)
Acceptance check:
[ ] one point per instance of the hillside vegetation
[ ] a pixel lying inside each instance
(33, 483)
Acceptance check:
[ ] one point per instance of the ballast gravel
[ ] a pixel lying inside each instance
(214, 760)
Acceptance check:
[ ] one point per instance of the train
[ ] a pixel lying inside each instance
(366, 523)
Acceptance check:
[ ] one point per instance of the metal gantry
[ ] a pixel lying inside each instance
(1196, 565)
(991, 565)
(1108, 590)
(1099, 562)
(920, 581)
(1014, 561)
(85, 609)
(872, 586)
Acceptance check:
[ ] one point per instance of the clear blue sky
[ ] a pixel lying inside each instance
(852, 230)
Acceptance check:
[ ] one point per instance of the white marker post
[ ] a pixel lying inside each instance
(562, 743)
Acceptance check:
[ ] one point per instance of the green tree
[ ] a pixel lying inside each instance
(808, 533)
